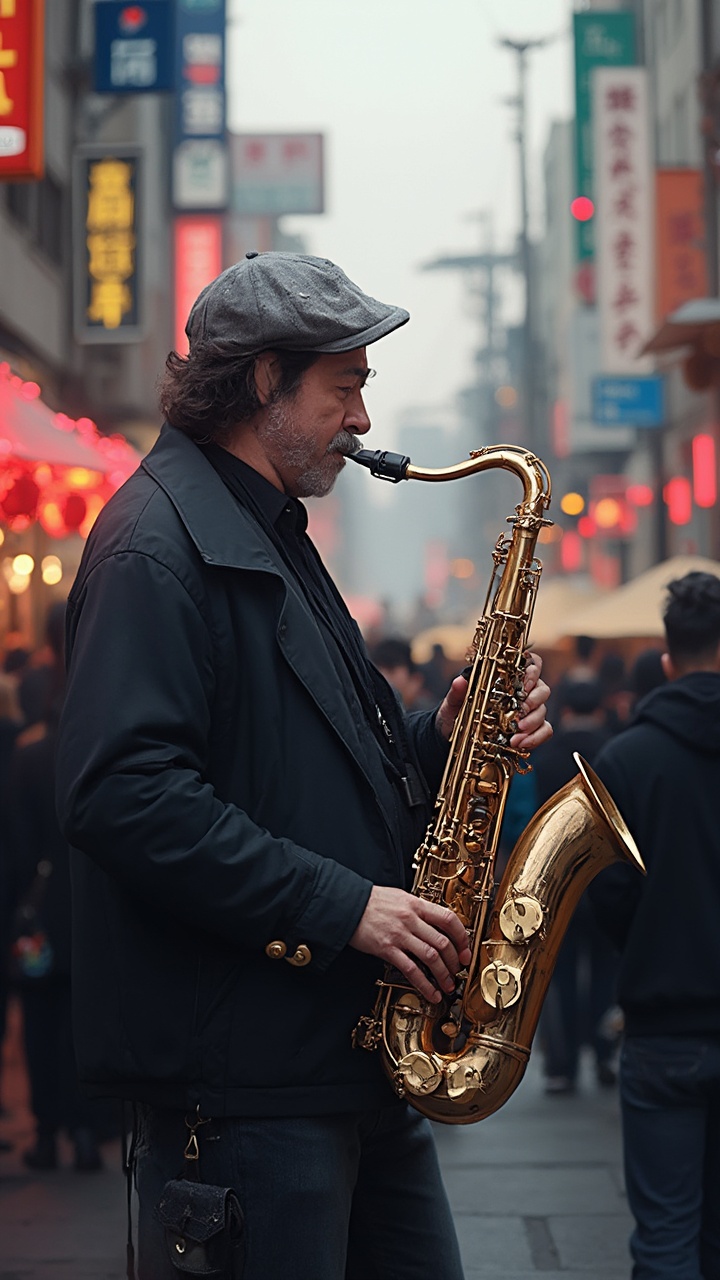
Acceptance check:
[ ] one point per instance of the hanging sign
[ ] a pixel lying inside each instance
(106, 216)
(21, 88)
(134, 47)
(625, 209)
(200, 163)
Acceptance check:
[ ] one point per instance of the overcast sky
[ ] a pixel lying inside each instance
(410, 96)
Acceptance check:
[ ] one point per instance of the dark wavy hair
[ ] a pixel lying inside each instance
(209, 391)
(692, 618)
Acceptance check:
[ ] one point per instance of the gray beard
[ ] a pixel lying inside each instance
(314, 479)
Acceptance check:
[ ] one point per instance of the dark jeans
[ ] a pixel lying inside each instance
(342, 1197)
(670, 1094)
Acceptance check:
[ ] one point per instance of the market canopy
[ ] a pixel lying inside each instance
(686, 326)
(634, 610)
(557, 599)
(53, 468)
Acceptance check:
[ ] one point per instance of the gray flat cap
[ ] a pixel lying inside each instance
(290, 301)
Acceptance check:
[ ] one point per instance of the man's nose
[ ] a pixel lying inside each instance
(356, 418)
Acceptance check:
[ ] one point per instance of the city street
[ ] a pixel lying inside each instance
(536, 1190)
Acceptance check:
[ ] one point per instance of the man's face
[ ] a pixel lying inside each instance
(304, 436)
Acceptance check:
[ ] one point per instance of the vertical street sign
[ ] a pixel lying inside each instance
(680, 261)
(21, 88)
(134, 47)
(601, 40)
(198, 260)
(200, 165)
(106, 294)
(625, 208)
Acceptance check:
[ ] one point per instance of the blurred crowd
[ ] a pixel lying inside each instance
(35, 907)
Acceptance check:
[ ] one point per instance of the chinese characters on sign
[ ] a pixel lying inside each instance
(133, 47)
(107, 268)
(21, 88)
(681, 269)
(276, 173)
(200, 180)
(601, 40)
(624, 197)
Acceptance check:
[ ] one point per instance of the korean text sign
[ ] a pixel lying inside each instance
(21, 88)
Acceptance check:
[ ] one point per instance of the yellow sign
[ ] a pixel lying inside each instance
(108, 294)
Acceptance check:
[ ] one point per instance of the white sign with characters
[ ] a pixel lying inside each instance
(624, 203)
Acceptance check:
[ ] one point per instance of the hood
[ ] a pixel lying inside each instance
(688, 708)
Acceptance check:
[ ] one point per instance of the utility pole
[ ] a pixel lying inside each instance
(521, 48)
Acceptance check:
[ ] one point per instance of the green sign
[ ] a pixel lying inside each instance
(601, 40)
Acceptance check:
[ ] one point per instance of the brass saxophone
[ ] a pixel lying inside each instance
(460, 1060)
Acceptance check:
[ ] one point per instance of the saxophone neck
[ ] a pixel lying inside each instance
(533, 473)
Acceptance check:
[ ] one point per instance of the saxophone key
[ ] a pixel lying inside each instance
(500, 984)
(520, 918)
(419, 1073)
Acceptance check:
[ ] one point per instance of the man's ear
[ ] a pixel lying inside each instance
(266, 376)
(668, 666)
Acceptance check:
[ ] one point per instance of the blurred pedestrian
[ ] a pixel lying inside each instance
(664, 774)
(617, 694)
(647, 673)
(40, 964)
(436, 672)
(582, 988)
(393, 658)
(10, 725)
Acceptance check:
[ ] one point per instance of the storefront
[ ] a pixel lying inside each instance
(56, 474)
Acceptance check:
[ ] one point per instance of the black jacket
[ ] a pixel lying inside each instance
(664, 774)
(223, 793)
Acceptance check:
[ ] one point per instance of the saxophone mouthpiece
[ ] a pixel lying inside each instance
(380, 463)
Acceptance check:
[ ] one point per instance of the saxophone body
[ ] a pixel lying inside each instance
(458, 1061)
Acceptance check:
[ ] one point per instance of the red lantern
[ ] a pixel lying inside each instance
(74, 510)
(21, 499)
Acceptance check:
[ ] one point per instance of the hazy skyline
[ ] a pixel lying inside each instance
(410, 96)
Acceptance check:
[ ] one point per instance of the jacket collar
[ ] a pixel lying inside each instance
(222, 531)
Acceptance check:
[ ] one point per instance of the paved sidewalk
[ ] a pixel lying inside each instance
(536, 1190)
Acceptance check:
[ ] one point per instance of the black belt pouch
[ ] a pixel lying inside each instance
(203, 1229)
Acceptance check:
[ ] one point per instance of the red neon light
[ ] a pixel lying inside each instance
(639, 495)
(582, 208)
(704, 471)
(198, 260)
(586, 527)
(571, 552)
(678, 497)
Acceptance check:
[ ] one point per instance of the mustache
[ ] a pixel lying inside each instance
(344, 442)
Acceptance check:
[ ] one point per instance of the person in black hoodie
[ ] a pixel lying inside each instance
(664, 773)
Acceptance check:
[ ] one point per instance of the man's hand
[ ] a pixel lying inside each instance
(408, 932)
(533, 728)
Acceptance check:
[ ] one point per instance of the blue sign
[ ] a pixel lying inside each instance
(200, 154)
(134, 46)
(629, 402)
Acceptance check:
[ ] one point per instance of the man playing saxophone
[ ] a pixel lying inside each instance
(244, 796)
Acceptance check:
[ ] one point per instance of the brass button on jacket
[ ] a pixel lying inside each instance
(275, 950)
